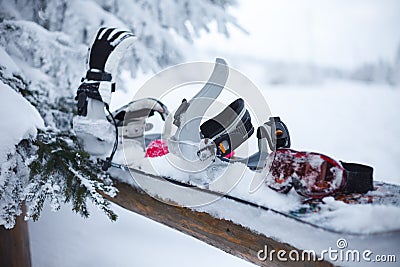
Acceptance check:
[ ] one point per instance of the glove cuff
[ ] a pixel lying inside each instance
(97, 75)
(100, 91)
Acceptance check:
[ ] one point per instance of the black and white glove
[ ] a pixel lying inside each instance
(105, 53)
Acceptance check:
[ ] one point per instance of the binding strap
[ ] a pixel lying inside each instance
(230, 128)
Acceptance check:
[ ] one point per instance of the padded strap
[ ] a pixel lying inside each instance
(230, 128)
(219, 123)
(359, 178)
(226, 143)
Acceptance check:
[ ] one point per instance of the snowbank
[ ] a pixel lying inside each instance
(19, 120)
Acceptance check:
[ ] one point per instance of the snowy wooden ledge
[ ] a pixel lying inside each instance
(223, 234)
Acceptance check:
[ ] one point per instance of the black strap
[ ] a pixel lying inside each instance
(219, 123)
(98, 76)
(82, 103)
(85, 91)
(235, 138)
(88, 90)
(107, 163)
(359, 178)
(227, 142)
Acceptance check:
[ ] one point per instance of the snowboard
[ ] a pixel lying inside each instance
(316, 213)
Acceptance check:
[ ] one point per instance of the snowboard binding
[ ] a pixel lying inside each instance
(311, 174)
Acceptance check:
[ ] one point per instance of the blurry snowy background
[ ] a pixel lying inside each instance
(329, 69)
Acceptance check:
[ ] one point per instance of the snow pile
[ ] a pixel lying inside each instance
(236, 180)
(93, 131)
(20, 120)
(359, 218)
(47, 70)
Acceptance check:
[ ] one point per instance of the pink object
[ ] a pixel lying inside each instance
(230, 155)
(156, 148)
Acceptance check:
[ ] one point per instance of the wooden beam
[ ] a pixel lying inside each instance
(223, 234)
(14, 244)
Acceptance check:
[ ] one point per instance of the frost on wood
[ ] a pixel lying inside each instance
(42, 49)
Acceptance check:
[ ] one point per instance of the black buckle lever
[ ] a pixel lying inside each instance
(276, 133)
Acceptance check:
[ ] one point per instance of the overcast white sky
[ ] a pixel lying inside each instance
(338, 33)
